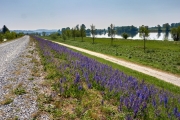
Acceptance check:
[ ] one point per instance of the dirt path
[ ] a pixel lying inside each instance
(143, 69)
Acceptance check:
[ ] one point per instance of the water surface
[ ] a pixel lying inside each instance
(152, 36)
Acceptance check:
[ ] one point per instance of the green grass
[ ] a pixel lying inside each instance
(163, 55)
(19, 91)
(7, 101)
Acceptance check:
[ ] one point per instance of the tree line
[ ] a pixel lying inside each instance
(77, 31)
(80, 31)
(6, 34)
(164, 28)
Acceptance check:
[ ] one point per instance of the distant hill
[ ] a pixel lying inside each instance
(46, 30)
(36, 31)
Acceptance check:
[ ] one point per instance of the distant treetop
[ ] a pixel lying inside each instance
(5, 29)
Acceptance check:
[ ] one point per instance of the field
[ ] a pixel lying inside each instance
(83, 88)
(163, 55)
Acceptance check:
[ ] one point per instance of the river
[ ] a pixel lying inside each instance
(152, 36)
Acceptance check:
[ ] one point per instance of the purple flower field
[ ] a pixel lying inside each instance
(135, 98)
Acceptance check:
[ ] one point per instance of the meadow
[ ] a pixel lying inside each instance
(163, 55)
(86, 89)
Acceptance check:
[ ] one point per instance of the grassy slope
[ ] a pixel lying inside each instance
(89, 104)
(138, 75)
(162, 55)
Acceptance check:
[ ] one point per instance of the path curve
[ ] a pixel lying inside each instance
(143, 69)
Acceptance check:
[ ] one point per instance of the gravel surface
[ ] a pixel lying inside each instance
(143, 69)
(11, 50)
(20, 79)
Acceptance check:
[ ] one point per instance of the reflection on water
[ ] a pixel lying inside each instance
(158, 34)
(152, 36)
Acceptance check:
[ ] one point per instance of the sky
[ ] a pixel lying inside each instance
(57, 14)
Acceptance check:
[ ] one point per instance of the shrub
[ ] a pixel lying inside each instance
(54, 36)
(125, 35)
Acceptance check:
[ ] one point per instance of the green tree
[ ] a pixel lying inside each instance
(13, 35)
(73, 31)
(93, 32)
(82, 31)
(37, 34)
(10, 35)
(64, 35)
(59, 32)
(5, 29)
(167, 27)
(7, 35)
(68, 33)
(1, 37)
(111, 32)
(44, 33)
(77, 31)
(159, 28)
(20, 34)
(175, 33)
(125, 35)
(144, 33)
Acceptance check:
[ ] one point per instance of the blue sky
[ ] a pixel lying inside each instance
(56, 14)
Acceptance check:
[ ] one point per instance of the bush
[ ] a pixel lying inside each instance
(125, 35)
(54, 36)
(175, 33)
(19, 91)
(8, 35)
(1, 37)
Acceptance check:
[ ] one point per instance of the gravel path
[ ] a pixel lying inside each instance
(143, 69)
(11, 50)
(20, 80)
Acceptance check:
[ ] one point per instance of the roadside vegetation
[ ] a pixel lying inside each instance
(6, 35)
(86, 89)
